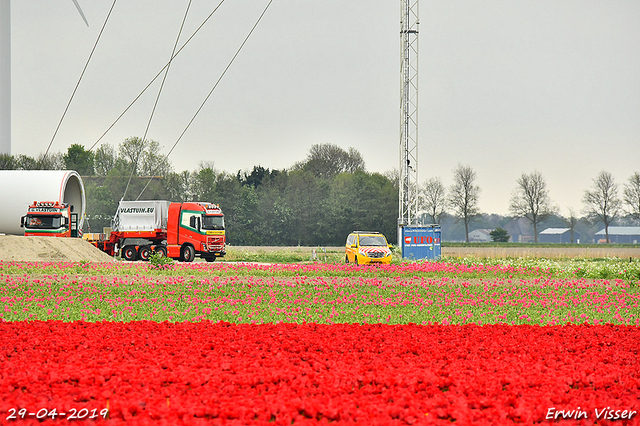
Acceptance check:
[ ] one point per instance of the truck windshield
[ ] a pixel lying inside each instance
(43, 222)
(212, 222)
(372, 241)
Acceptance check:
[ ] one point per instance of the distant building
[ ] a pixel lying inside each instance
(620, 235)
(518, 230)
(558, 235)
(480, 236)
(525, 239)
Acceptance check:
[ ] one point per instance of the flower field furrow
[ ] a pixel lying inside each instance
(242, 299)
(275, 269)
(611, 269)
(221, 373)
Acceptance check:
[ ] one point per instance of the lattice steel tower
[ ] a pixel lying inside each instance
(408, 206)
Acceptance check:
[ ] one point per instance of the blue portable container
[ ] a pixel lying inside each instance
(421, 242)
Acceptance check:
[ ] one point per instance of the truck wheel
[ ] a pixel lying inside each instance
(188, 254)
(161, 250)
(144, 253)
(129, 253)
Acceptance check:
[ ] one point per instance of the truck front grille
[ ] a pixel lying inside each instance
(215, 243)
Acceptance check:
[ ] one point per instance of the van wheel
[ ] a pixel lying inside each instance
(356, 259)
(210, 259)
(129, 253)
(346, 259)
(144, 253)
(187, 254)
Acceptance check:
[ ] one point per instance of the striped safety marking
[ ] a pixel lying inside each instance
(375, 250)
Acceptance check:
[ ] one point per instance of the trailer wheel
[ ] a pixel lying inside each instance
(144, 253)
(161, 250)
(187, 254)
(129, 253)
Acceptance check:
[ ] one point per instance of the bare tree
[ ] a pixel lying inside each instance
(433, 198)
(632, 196)
(153, 163)
(463, 196)
(131, 150)
(353, 161)
(327, 160)
(394, 177)
(572, 221)
(179, 186)
(143, 158)
(24, 162)
(602, 203)
(531, 200)
(53, 161)
(105, 159)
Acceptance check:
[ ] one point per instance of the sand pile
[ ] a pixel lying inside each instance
(49, 249)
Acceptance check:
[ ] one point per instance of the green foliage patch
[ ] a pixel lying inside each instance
(251, 299)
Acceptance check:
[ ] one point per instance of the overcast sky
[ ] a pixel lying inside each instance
(505, 87)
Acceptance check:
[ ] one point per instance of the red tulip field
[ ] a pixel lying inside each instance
(422, 343)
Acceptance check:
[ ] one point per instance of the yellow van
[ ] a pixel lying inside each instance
(363, 248)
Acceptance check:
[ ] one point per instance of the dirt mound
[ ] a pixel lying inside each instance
(49, 249)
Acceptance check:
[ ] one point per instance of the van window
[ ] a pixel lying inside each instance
(370, 240)
(350, 240)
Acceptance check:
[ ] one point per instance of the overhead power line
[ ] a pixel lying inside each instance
(146, 130)
(213, 88)
(166, 72)
(82, 74)
(220, 78)
(156, 76)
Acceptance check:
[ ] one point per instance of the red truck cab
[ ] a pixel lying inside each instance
(50, 219)
(195, 228)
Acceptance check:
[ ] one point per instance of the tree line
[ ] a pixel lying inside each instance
(321, 199)
(317, 201)
(602, 203)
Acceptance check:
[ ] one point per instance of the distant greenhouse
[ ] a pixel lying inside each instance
(559, 236)
(620, 235)
(480, 236)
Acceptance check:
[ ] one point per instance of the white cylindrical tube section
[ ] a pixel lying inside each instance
(20, 188)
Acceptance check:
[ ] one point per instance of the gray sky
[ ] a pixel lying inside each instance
(506, 87)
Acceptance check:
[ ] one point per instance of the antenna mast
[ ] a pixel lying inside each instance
(408, 175)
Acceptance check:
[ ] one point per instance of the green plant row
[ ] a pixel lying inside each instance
(459, 268)
(604, 269)
(316, 299)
